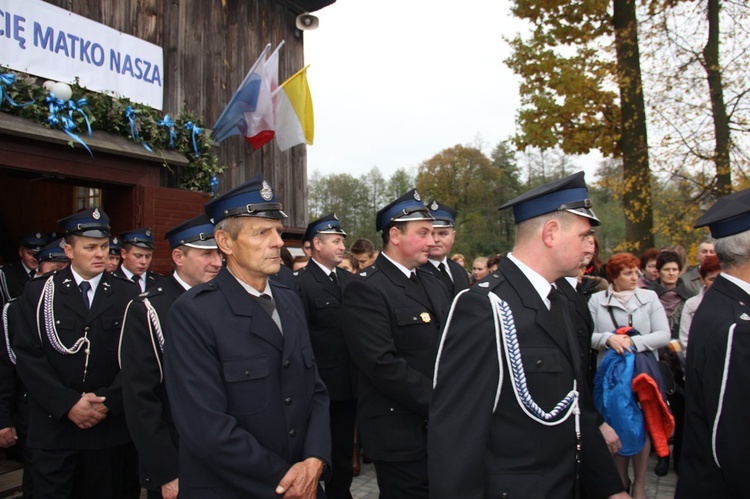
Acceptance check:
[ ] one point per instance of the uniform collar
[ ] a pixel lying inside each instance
(539, 283)
(94, 281)
(743, 285)
(404, 270)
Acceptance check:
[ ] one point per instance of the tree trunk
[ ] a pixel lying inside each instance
(633, 142)
(718, 108)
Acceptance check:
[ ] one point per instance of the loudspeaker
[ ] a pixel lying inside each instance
(306, 22)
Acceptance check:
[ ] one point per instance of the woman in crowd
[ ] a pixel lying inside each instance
(595, 267)
(708, 271)
(649, 272)
(624, 304)
(670, 288)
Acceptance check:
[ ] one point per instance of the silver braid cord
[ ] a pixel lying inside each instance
(155, 323)
(46, 304)
(11, 353)
(564, 408)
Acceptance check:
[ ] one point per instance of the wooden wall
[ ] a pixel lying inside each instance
(209, 45)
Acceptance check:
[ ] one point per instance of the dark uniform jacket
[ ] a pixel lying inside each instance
(583, 326)
(13, 398)
(13, 277)
(392, 326)
(458, 273)
(716, 439)
(321, 299)
(152, 278)
(247, 401)
(143, 390)
(475, 453)
(56, 381)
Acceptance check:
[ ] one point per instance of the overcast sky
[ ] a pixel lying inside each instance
(394, 82)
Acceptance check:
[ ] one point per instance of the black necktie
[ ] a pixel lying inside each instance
(441, 268)
(137, 280)
(332, 275)
(85, 286)
(32, 273)
(413, 277)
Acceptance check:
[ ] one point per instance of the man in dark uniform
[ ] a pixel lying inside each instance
(505, 416)
(451, 274)
(250, 408)
(113, 258)
(321, 285)
(136, 254)
(717, 375)
(14, 275)
(66, 346)
(196, 260)
(392, 320)
(14, 404)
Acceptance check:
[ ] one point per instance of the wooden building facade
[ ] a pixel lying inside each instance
(208, 48)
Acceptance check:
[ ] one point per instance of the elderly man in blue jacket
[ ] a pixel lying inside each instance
(250, 408)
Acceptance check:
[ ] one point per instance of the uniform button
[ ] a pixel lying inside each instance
(287, 363)
(391, 409)
(539, 363)
(86, 328)
(292, 433)
(505, 495)
(247, 373)
(288, 401)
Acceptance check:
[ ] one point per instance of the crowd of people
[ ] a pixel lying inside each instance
(247, 372)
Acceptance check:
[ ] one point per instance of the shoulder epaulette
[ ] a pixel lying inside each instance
(368, 272)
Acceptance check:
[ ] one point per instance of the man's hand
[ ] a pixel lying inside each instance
(88, 411)
(170, 489)
(301, 481)
(8, 437)
(611, 438)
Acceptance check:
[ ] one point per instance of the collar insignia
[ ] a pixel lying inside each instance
(425, 316)
(745, 317)
(484, 284)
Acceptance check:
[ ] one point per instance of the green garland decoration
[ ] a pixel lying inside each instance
(107, 113)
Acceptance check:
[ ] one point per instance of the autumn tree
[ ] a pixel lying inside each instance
(697, 53)
(464, 178)
(569, 76)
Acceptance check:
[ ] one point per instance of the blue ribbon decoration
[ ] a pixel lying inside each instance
(190, 127)
(214, 186)
(77, 106)
(130, 115)
(8, 80)
(169, 124)
(58, 119)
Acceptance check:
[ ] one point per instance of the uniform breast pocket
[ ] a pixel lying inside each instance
(548, 374)
(414, 327)
(247, 384)
(326, 302)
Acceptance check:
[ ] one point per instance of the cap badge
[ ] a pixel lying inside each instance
(62, 243)
(416, 195)
(335, 217)
(425, 316)
(115, 240)
(96, 214)
(266, 192)
(38, 235)
(434, 206)
(148, 232)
